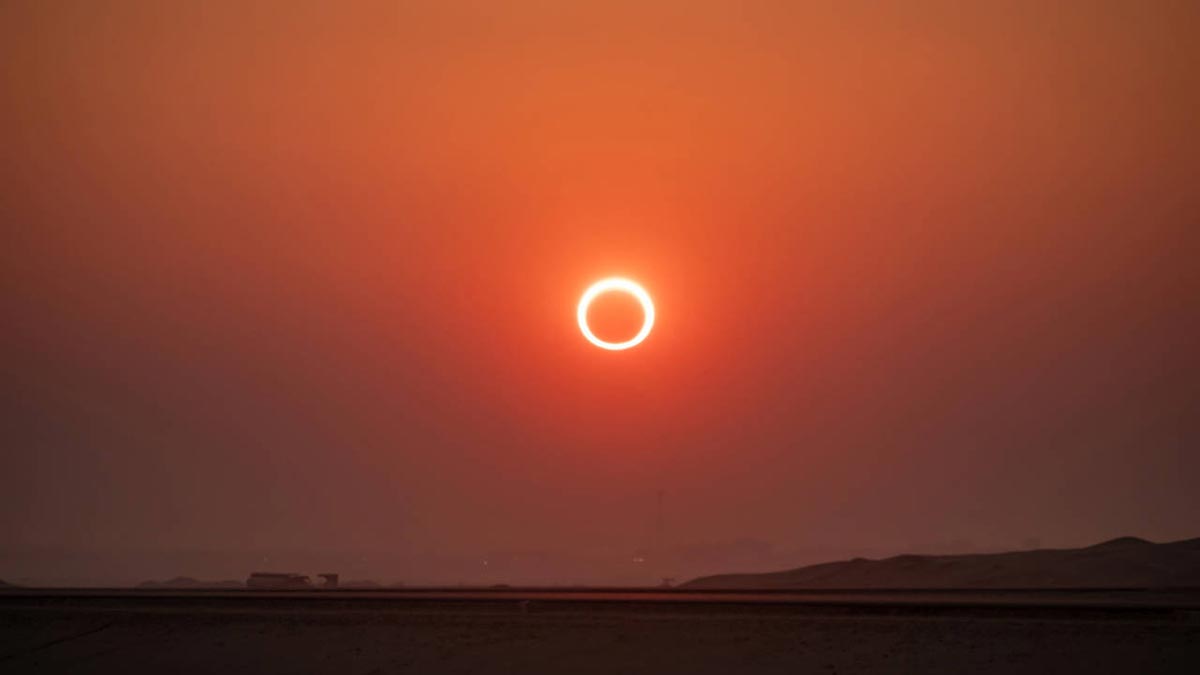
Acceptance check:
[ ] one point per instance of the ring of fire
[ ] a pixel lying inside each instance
(624, 286)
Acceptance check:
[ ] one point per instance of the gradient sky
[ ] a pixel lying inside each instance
(293, 285)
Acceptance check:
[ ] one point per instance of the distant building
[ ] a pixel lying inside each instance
(278, 581)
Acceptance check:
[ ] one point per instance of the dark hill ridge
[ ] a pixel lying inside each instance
(1126, 562)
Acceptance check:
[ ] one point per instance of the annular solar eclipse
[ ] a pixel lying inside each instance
(619, 285)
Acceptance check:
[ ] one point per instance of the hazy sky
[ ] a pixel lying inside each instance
(293, 284)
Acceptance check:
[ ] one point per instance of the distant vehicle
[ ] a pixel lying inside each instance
(278, 581)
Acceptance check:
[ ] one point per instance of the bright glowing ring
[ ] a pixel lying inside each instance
(625, 286)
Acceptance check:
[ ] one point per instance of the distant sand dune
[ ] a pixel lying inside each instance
(1127, 562)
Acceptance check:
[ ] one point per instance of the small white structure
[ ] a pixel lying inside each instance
(275, 581)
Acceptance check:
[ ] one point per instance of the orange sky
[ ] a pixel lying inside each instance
(301, 277)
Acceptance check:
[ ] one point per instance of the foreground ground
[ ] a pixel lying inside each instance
(515, 632)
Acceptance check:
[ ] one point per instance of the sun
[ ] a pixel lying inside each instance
(622, 285)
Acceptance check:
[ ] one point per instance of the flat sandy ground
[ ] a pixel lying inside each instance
(594, 633)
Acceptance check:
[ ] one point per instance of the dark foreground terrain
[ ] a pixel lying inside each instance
(598, 632)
